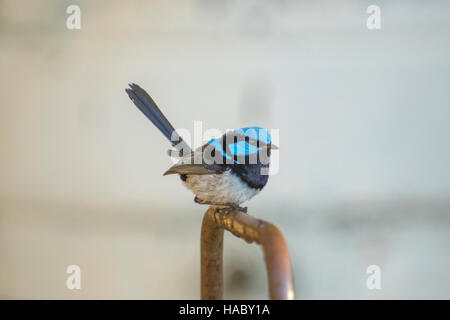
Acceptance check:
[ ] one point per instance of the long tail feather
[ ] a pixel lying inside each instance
(148, 107)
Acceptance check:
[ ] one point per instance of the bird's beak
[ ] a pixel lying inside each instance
(274, 147)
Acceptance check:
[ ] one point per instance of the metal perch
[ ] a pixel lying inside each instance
(242, 225)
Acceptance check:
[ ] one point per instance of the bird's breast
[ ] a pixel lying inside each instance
(223, 188)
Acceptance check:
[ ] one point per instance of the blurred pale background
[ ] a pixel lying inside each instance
(364, 163)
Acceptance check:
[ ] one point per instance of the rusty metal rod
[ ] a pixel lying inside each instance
(242, 225)
(212, 257)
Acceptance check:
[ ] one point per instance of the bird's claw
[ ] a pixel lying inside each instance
(229, 208)
(222, 208)
(200, 201)
(243, 209)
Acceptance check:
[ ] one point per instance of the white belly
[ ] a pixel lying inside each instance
(223, 188)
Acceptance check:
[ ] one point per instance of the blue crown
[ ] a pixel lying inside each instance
(257, 133)
(243, 148)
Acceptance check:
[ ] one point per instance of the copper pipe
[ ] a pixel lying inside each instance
(212, 257)
(242, 225)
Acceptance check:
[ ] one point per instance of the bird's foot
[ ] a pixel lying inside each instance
(243, 209)
(225, 208)
(200, 201)
(222, 208)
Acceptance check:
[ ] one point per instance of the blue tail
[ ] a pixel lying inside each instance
(148, 107)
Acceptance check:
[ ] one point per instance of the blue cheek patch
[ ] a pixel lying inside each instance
(242, 148)
(217, 143)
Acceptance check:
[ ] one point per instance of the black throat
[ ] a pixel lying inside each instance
(251, 174)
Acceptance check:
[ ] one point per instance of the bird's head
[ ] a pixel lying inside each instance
(244, 144)
(257, 136)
